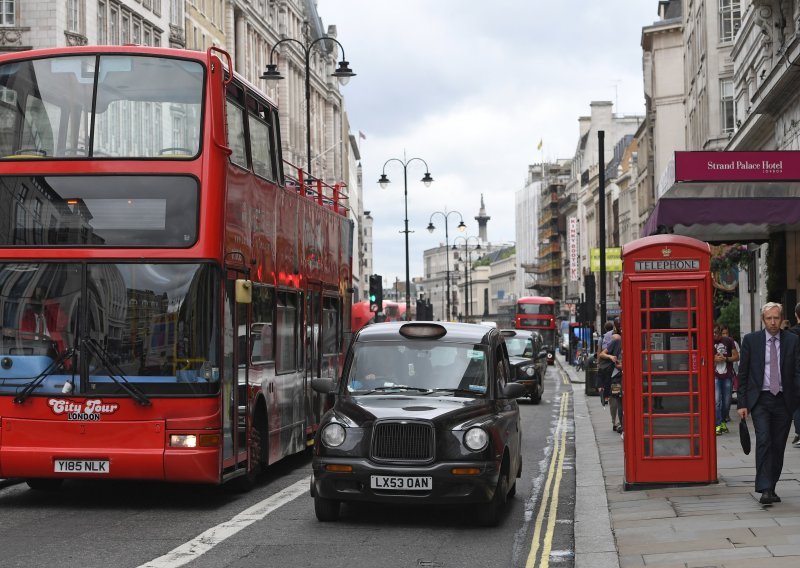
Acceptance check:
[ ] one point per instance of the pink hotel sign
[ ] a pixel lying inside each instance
(737, 166)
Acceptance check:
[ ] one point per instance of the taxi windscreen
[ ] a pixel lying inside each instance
(418, 367)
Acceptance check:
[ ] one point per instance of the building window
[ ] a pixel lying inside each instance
(125, 28)
(7, 12)
(730, 18)
(113, 23)
(101, 22)
(727, 109)
(74, 15)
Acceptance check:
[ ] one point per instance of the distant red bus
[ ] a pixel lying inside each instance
(361, 314)
(168, 285)
(539, 313)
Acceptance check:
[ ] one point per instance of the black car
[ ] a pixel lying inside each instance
(423, 413)
(528, 361)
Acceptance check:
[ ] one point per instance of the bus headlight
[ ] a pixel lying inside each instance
(476, 439)
(183, 441)
(333, 435)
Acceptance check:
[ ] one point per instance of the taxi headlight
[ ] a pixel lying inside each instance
(529, 371)
(476, 439)
(333, 435)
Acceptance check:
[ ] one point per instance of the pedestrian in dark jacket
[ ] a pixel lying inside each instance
(796, 417)
(769, 385)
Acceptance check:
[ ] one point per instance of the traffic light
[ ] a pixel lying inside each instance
(376, 293)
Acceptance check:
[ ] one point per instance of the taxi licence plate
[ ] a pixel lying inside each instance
(81, 466)
(394, 482)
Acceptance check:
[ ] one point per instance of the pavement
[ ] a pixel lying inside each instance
(719, 525)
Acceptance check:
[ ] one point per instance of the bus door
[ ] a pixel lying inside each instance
(313, 351)
(235, 357)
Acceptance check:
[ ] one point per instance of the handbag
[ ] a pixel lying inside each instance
(744, 436)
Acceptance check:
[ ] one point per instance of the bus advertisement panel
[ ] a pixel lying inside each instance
(165, 287)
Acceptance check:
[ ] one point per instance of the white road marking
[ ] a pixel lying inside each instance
(204, 542)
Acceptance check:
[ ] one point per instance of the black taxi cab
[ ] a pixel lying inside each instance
(423, 413)
(528, 359)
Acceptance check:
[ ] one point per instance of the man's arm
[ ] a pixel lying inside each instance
(744, 378)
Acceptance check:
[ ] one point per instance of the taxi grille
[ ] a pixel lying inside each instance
(402, 441)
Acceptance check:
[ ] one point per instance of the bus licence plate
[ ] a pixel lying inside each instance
(401, 483)
(81, 466)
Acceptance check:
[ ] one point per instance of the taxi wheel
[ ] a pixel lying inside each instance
(536, 398)
(327, 510)
(489, 513)
(44, 484)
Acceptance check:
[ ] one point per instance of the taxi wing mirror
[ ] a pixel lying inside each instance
(512, 390)
(542, 355)
(323, 385)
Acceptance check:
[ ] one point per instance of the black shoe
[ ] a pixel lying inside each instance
(775, 498)
(796, 439)
(768, 497)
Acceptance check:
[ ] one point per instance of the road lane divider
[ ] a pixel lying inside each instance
(548, 507)
(204, 542)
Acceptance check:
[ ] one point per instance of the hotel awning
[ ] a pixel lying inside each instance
(729, 196)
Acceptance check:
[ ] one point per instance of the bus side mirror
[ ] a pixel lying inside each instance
(244, 291)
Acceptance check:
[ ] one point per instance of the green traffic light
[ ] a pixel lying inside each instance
(372, 297)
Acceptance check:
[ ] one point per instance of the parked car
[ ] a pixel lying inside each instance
(528, 361)
(423, 413)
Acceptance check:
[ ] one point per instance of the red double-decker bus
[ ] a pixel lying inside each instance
(539, 313)
(168, 287)
(361, 314)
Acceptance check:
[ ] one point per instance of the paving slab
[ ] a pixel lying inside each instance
(718, 525)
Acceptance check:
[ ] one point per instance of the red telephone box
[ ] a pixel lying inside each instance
(668, 381)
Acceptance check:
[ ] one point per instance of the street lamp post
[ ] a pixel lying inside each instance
(342, 73)
(467, 260)
(383, 182)
(461, 227)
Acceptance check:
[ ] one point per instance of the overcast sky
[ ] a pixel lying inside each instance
(472, 87)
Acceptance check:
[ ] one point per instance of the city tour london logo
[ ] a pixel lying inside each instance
(90, 411)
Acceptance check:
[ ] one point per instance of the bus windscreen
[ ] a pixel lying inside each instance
(138, 107)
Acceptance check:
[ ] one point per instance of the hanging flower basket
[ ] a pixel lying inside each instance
(726, 257)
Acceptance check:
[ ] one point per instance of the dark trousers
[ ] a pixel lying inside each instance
(772, 422)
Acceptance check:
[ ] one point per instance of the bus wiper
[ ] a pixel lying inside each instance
(114, 372)
(31, 386)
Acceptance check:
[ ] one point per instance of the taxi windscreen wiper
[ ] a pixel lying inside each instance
(397, 387)
(114, 372)
(31, 386)
(460, 391)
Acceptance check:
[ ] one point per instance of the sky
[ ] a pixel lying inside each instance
(472, 88)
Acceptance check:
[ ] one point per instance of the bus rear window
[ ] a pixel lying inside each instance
(99, 211)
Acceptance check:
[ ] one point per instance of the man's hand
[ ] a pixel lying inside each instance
(742, 413)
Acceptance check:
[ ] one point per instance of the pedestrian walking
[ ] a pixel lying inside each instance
(796, 417)
(604, 363)
(725, 354)
(615, 386)
(769, 383)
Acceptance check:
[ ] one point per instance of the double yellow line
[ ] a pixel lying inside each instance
(549, 503)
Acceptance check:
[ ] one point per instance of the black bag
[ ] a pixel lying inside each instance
(744, 437)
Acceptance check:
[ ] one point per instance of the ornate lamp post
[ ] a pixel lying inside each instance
(343, 73)
(461, 227)
(467, 260)
(383, 182)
